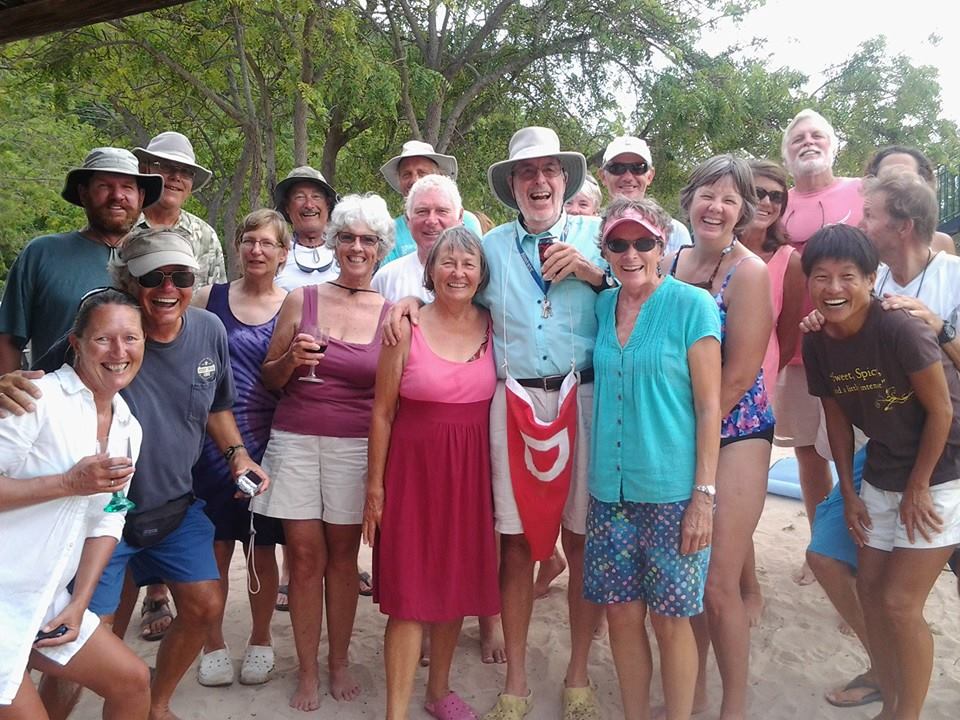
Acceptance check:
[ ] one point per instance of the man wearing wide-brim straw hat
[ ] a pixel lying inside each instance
(306, 199)
(418, 159)
(170, 154)
(53, 272)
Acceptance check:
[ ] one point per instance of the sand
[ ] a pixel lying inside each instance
(796, 653)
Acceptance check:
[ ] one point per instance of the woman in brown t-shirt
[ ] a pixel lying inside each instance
(885, 373)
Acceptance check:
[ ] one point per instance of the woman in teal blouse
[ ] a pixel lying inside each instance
(654, 457)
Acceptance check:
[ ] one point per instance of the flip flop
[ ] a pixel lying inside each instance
(152, 611)
(860, 682)
(366, 584)
(283, 606)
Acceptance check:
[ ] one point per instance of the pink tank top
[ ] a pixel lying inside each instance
(429, 377)
(341, 406)
(776, 269)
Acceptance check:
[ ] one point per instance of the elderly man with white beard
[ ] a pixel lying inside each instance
(818, 198)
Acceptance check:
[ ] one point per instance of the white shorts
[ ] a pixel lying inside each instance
(314, 478)
(798, 412)
(62, 654)
(545, 405)
(888, 530)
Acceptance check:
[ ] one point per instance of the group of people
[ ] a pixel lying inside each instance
(608, 375)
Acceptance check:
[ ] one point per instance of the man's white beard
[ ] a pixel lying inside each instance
(811, 166)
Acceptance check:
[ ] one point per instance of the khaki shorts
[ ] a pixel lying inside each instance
(798, 412)
(314, 478)
(545, 405)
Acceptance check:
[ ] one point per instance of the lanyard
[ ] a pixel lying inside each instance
(544, 285)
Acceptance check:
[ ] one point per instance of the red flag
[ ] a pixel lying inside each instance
(541, 462)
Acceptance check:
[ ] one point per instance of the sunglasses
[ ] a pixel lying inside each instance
(171, 169)
(640, 244)
(180, 278)
(346, 238)
(619, 168)
(776, 196)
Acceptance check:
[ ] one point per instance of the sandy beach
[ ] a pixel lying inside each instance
(797, 652)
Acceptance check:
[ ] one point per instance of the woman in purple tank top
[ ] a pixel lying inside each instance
(248, 308)
(323, 359)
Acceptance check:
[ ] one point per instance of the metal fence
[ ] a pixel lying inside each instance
(948, 197)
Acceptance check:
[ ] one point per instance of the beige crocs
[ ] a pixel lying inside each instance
(215, 669)
(580, 704)
(258, 664)
(510, 707)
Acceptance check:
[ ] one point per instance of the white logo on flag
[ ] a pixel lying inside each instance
(561, 441)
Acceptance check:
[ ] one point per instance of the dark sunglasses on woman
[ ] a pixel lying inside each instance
(776, 196)
(646, 244)
(180, 278)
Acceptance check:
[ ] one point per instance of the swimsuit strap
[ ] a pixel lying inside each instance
(676, 259)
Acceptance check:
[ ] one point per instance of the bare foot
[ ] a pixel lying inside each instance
(660, 712)
(162, 713)
(549, 570)
(307, 695)
(491, 640)
(804, 575)
(753, 603)
(343, 686)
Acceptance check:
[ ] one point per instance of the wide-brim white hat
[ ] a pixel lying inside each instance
(535, 142)
(176, 148)
(415, 148)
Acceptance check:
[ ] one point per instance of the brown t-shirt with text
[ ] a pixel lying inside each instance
(868, 375)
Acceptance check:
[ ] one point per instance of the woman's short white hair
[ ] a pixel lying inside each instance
(369, 209)
(818, 120)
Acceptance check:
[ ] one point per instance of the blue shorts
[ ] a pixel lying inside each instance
(830, 536)
(185, 555)
(633, 553)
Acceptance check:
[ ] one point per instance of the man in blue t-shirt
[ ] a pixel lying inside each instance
(53, 272)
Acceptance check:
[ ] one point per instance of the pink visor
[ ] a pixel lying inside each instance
(631, 216)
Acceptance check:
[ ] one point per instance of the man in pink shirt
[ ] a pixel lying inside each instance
(818, 198)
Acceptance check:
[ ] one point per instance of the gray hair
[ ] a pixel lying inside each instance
(716, 168)
(434, 182)
(647, 207)
(369, 209)
(907, 196)
(821, 122)
(117, 267)
(459, 238)
(591, 188)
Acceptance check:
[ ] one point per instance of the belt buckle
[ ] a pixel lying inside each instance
(545, 384)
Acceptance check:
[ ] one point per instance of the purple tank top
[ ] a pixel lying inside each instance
(342, 404)
(254, 404)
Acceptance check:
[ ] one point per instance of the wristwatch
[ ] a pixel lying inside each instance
(709, 490)
(947, 333)
(606, 283)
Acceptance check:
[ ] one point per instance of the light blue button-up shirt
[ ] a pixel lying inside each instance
(405, 244)
(534, 346)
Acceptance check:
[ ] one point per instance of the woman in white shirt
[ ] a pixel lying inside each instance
(55, 483)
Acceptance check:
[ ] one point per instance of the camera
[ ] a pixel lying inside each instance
(249, 483)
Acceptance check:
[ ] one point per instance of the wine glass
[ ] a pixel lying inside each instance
(321, 335)
(119, 502)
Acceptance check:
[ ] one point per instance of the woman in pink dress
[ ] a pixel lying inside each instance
(766, 238)
(429, 505)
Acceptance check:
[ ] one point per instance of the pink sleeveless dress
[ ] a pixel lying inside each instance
(777, 269)
(435, 556)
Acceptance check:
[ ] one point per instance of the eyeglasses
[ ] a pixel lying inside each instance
(99, 291)
(169, 168)
(368, 241)
(618, 246)
(620, 168)
(302, 197)
(531, 172)
(180, 278)
(776, 196)
(251, 243)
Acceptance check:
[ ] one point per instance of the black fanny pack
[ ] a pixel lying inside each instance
(148, 528)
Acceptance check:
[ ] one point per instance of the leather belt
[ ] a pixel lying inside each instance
(553, 382)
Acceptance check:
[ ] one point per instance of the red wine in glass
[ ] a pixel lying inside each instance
(321, 336)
